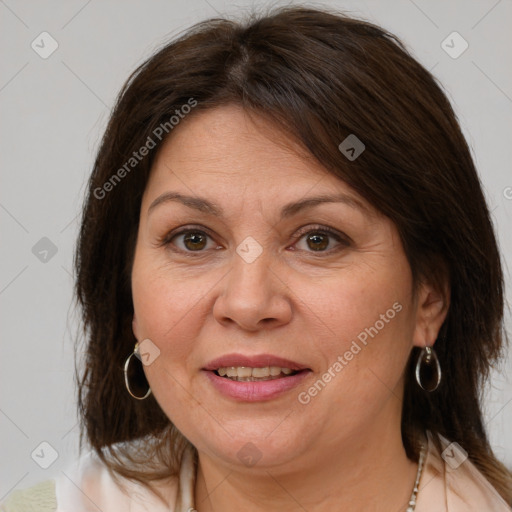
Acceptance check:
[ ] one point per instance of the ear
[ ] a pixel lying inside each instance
(432, 305)
(135, 327)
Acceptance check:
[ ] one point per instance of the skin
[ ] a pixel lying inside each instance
(343, 449)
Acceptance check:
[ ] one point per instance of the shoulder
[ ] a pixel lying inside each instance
(89, 485)
(40, 497)
(451, 482)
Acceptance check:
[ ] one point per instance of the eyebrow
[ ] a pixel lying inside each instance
(205, 206)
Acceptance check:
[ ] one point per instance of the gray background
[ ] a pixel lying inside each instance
(53, 112)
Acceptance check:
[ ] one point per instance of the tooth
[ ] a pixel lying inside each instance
(244, 371)
(260, 372)
(248, 373)
(231, 371)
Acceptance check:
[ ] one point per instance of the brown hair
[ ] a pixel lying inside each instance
(321, 76)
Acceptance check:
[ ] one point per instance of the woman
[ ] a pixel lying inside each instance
(312, 294)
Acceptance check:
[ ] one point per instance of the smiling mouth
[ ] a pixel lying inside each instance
(247, 374)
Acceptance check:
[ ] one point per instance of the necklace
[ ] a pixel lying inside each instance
(412, 500)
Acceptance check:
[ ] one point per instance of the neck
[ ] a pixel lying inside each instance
(367, 472)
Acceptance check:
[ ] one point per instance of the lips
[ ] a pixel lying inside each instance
(256, 361)
(255, 389)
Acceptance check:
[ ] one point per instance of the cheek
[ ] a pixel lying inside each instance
(165, 315)
(352, 303)
(367, 321)
(158, 306)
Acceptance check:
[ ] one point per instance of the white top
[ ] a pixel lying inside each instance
(87, 486)
(449, 483)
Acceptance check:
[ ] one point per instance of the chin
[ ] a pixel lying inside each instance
(265, 449)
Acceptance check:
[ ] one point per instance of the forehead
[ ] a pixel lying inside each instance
(229, 141)
(225, 153)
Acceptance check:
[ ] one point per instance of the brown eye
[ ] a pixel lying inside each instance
(194, 240)
(318, 242)
(188, 241)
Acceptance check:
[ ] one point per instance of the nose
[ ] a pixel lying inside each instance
(253, 296)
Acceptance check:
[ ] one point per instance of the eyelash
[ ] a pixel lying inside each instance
(344, 240)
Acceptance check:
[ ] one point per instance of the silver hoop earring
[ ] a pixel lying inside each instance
(428, 370)
(126, 370)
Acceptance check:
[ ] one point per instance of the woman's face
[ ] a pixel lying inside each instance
(269, 274)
